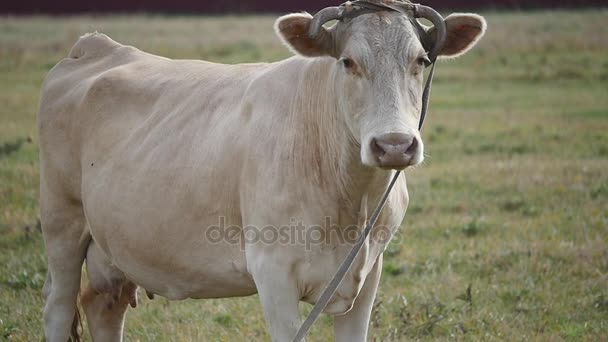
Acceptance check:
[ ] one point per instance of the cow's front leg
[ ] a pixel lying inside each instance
(352, 326)
(279, 296)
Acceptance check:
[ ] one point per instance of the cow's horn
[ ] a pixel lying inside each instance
(426, 12)
(323, 16)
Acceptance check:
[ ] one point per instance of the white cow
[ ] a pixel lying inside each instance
(152, 168)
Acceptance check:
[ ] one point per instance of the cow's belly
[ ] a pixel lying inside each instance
(161, 232)
(173, 261)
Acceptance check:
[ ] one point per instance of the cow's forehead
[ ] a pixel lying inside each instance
(380, 34)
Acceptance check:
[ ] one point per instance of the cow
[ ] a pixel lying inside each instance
(152, 168)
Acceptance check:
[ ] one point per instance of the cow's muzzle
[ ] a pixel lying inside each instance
(395, 150)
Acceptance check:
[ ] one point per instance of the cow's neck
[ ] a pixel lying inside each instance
(324, 153)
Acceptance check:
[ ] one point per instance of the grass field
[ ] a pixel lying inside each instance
(506, 237)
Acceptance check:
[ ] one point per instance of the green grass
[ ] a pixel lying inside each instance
(506, 237)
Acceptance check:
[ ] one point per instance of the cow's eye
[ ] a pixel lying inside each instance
(423, 61)
(348, 63)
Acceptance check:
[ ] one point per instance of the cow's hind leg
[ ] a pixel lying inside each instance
(66, 239)
(106, 298)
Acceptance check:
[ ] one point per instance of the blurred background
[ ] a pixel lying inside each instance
(244, 6)
(506, 236)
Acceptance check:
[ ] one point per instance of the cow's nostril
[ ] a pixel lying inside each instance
(412, 149)
(377, 149)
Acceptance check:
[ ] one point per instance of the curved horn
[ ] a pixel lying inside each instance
(434, 17)
(323, 16)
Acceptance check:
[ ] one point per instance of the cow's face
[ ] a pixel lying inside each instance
(379, 64)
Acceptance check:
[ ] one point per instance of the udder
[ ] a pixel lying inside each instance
(107, 296)
(106, 280)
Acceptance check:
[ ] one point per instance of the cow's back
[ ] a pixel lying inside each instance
(105, 96)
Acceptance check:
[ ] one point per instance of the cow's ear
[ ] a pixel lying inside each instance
(464, 31)
(293, 30)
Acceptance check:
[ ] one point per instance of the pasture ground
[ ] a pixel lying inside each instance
(506, 237)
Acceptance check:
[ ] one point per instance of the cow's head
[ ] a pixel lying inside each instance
(380, 57)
